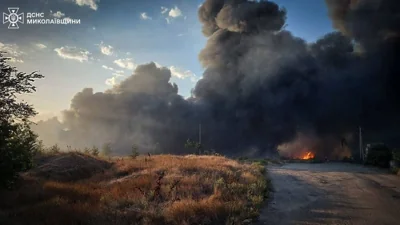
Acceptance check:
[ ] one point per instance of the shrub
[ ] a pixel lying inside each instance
(243, 158)
(17, 148)
(86, 151)
(54, 149)
(40, 148)
(94, 151)
(106, 149)
(193, 144)
(134, 152)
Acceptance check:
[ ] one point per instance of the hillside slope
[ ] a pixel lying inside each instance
(75, 188)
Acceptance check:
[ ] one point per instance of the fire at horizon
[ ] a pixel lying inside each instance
(308, 155)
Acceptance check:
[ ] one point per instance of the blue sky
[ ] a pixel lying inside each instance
(116, 35)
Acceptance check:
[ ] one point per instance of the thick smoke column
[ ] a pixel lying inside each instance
(258, 80)
(369, 22)
(374, 26)
(144, 110)
(262, 87)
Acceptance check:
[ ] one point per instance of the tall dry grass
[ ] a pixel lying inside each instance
(163, 189)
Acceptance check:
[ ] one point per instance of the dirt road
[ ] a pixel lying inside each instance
(332, 193)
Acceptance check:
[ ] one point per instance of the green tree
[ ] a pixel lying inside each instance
(18, 143)
(193, 144)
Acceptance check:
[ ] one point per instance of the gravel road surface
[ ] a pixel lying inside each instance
(332, 193)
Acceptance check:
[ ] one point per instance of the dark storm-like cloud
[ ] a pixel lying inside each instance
(262, 86)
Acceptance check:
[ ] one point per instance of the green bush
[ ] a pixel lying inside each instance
(134, 153)
(17, 148)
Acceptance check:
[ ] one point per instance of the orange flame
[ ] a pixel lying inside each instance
(309, 155)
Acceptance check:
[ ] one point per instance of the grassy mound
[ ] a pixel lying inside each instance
(68, 167)
(162, 189)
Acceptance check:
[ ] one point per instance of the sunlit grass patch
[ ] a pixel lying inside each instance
(162, 189)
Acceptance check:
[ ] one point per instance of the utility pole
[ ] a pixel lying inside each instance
(361, 145)
(200, 133)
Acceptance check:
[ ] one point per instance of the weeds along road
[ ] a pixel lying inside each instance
(332, 193)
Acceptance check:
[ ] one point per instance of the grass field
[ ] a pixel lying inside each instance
(75, 188)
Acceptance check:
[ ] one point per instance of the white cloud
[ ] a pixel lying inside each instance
(57, 14)
(15, 60)
(91, 3)
(112, 69)
(180, 73)
(107, 68)
(116, 78)
(144, 16)
(164, 10)
(12, 51)
(73, 53)
(126, 63)
(106, 49)
(40, 46)
(175, 12)
(111, 81)
(119, 73)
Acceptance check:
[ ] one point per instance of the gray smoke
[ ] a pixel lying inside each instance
(262, 87)
(369, 22)
(144, 110)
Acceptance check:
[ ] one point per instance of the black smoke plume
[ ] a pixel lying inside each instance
(262, 87)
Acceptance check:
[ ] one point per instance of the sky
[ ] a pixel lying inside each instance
(114, 36)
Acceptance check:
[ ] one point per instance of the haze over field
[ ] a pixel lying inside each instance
(262, 87)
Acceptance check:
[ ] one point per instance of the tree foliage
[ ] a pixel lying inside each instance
(18, 143)
(193, 144)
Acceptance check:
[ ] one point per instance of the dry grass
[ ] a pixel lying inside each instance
(163, 189)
